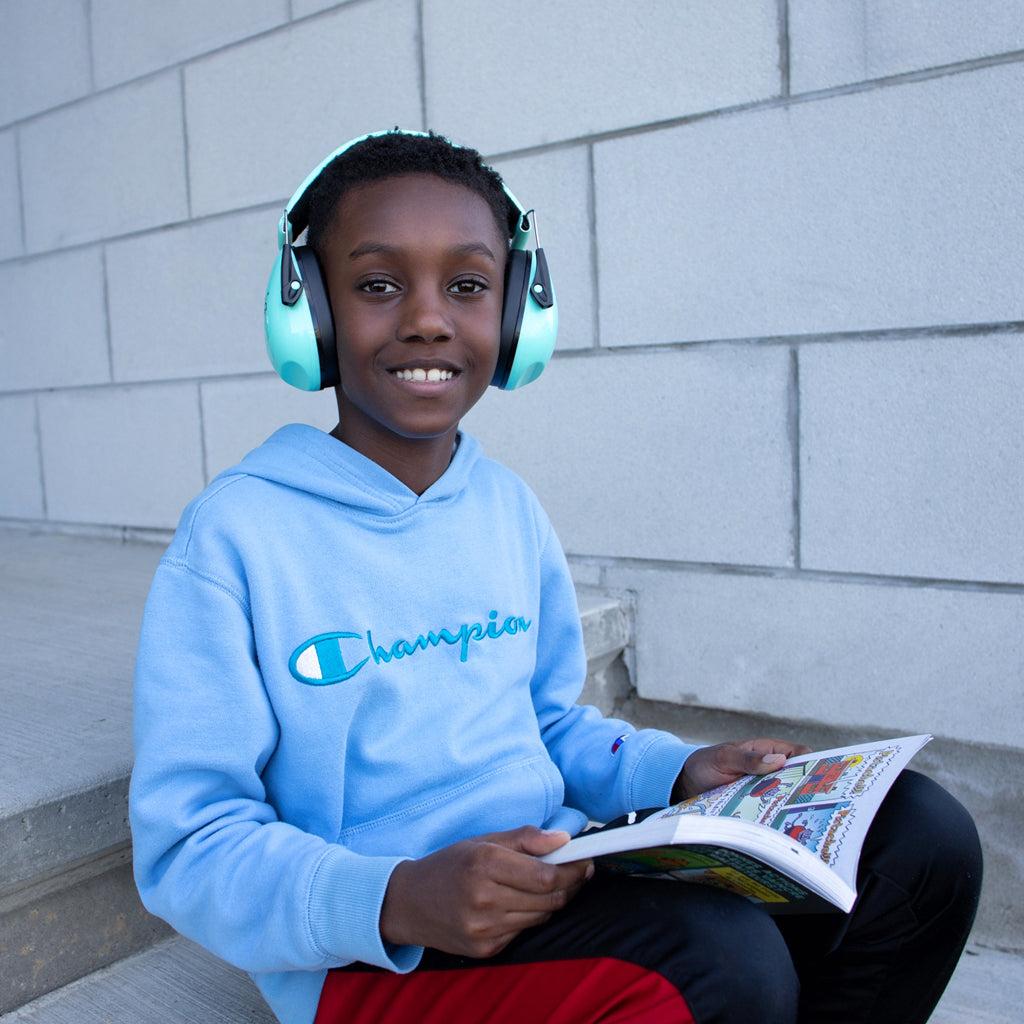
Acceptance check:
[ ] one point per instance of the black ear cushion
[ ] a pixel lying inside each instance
(517, 283)
(320, 313)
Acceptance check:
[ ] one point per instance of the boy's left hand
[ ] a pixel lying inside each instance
(723, 763)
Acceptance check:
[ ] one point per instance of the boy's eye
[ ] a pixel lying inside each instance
(468, 286)
(378, 286)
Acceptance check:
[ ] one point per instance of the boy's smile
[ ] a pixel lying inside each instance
(414, 269)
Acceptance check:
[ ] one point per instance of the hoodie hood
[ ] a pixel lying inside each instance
(307, 459)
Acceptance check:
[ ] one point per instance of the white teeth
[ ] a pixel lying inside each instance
(419, 374)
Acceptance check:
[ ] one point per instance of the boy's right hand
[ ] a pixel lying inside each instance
(474, 897)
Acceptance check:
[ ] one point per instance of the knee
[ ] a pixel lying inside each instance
(925, 841)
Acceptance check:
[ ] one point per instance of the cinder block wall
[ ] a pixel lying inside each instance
(787, 239)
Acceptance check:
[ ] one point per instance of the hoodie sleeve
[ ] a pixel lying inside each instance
(609, 768)
(211, 856)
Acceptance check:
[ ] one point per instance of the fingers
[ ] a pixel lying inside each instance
(500, 858)
(527, 839)
(723, 763)
(761, 756)
(473, 897)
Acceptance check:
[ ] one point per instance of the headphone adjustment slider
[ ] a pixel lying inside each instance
(541, 287)
(291, 283)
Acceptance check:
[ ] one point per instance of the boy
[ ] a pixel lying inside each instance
(356, 726)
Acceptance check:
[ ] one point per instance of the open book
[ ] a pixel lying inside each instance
(789, 841)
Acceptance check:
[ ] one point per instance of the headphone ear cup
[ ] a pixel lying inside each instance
(300, 335)
(517, 283)
(529, 321)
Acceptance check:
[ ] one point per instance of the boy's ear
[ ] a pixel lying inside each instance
(298, 322)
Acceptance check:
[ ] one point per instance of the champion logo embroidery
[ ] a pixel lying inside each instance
(326, 659)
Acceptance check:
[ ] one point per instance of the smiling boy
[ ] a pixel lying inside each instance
(356, 726)
(414, 269)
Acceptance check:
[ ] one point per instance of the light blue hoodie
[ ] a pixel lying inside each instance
(336, 674)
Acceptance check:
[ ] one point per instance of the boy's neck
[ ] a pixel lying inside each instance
(417, 463)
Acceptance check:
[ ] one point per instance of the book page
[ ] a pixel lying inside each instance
(825, 801)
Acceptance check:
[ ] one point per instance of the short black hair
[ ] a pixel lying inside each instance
(391, 155)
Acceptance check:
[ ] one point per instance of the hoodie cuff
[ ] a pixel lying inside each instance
(345, 900)
(656, 771)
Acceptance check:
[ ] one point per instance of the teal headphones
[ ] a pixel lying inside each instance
(300, 328)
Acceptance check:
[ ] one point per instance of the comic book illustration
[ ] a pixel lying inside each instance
(722, 868)
(788, 841)
(812, 798)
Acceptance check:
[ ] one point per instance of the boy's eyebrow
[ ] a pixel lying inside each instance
(384, 249)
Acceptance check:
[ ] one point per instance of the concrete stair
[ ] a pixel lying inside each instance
(75, 943)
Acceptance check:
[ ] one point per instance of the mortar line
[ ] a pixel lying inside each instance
(780, 572)
(185, 152)
(203, 455)
(595, 257)
(108, 325)
(19, 181)
(421, 51)
(784, 53)
(38, 427)
(793, 430)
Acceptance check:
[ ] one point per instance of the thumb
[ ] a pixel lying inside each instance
(531, 840)
(756, 763)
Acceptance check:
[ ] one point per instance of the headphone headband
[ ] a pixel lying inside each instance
(294, 216)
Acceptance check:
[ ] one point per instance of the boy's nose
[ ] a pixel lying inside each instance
(426, 319)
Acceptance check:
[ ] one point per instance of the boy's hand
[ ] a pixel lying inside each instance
(474, 897)
(726, 762)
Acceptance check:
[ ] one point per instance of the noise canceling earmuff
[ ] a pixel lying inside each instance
(300, 328)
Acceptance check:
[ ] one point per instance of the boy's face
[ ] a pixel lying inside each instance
(414, 269)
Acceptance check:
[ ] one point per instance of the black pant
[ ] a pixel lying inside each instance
(887, 961)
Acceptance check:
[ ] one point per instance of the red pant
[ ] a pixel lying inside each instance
(555, 992)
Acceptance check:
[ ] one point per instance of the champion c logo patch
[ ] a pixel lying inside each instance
(320, 662)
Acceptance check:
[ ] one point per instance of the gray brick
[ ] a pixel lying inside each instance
(54, 326)
(854, 40)
(677, 455)
(557, 184)
(132, 39)
(10, 198)
(302, 8)
(262, 115)
(109, 165)
(21, 487)
(884, 208)
(203, 288)
(887, 657)
(238, 415)
(128, 456)
(912, 458)
(561, 71)
(46, 55)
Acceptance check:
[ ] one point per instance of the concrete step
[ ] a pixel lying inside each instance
(177, 982)
(70, 610)
(171, 983)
